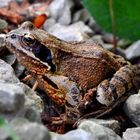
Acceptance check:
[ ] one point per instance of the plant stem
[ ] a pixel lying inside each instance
(113, 24)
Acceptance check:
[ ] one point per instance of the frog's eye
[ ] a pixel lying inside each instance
(28, 39)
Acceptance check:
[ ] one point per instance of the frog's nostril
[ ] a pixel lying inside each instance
(13, 36)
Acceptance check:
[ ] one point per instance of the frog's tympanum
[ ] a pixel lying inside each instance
(102, 77)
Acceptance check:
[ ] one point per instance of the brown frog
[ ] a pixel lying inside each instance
(107, 76)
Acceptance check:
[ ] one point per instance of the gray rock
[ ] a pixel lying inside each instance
(2, 44)
(75, 32)
(19, 69)
(108, 37)
(82, 27)
(108, 46)
(7, 73)
(30, 131)
(11, 98)
(33, 105)
(49, 23)
(81, 15)
(3, 25)
(65, 19)
(77, 134)
(31, 98)
(133, 51)
(103, 133)
(123, 43)
(9, 58)
(98, 38)
(31, 109)
(132, 108)
(112, 124)
(4, 135)
(4, 3)
(61, 11)
(132, 134)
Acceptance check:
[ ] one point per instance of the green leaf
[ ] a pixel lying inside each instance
(6, 127)
(126, 15)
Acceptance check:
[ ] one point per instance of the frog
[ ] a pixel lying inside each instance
(101, 76)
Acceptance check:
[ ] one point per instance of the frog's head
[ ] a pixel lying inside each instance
(24, 40)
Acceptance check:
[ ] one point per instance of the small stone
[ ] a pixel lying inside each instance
(61, 11)
(26, 130)
(4, 3)
(81, 15)
(112, 124)
(9, 58)
(11, 98)
(108, 46)
(132, 108)
(4, 135)
(3, 25)
(123, 43)
(7, 73)
(2, 44)
(31, 98)
(133, 51)
(19, 69)
(65, 19)
(132, 134)
(82, 27)
(77, 134)
(33, 105)
(98, 38)
(108, 37)
(49, 23)
(102, 133)
(75, 32)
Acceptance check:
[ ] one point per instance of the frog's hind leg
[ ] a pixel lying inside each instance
(104, 111)
(109, 91)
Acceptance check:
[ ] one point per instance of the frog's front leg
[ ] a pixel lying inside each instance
(61, 88)
(53, 91)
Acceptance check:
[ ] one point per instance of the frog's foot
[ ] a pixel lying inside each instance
(27, 78)
(103, 111)
(87, 99)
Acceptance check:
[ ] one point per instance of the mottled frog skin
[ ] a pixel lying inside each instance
(86, 63)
